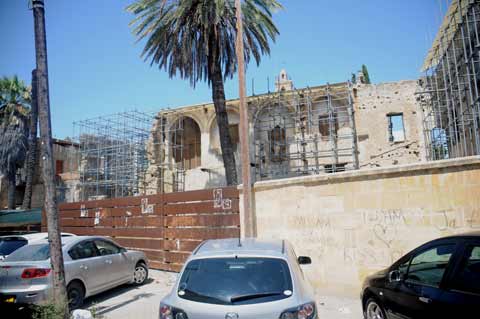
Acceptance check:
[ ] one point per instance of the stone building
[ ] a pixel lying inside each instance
(293, 132)
(65, 155)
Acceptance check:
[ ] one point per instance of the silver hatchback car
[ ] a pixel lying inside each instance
(92, 265)
(247, 279)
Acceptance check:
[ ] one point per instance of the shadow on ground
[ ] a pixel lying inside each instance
(99, 311)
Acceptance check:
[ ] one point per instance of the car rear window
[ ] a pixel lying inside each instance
(30, 253)
(9, 245)
(235, 280)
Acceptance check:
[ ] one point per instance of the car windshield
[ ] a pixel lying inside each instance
(30, 253)
(235, 280)
(10, 244)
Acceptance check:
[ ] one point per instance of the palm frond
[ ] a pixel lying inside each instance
(185, 37)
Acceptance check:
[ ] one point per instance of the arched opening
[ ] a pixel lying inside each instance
(278, 144)
(186, 143)
(233, 127)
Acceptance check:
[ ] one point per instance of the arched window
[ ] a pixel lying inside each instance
(186, 143)
(278, 144)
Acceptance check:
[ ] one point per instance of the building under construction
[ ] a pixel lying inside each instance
(112, 154)
(293, 132)
(304, 132)
(450, 89)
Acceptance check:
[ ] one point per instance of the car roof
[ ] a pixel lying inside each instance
(36, 236)
(463, 235)
(71, 240)
(236, 246)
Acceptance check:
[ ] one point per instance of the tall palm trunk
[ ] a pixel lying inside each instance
(56, 256)
(32, 145)
(11, 198)
(218, 95)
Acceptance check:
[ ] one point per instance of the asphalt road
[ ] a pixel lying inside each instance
(134, 302)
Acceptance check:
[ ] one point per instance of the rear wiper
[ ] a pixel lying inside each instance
(210, 298)
(254, 296)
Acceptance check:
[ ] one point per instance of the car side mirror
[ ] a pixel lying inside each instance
(395, 276)
(304, 260)
(123, 250)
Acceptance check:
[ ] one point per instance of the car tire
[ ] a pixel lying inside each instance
(140, 274)
(374, 310)
(76, 294)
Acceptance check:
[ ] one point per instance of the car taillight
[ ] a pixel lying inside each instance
(31, 273)
(306, 311)
(167, 312)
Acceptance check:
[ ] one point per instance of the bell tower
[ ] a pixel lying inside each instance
(283, 82)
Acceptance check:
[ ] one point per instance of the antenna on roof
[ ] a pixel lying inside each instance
(239, 241)
(283, 246)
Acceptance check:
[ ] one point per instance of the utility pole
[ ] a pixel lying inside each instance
(248, 218)
(50, 205)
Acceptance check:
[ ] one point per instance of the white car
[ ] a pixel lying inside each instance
(8, 244)
(247, 279)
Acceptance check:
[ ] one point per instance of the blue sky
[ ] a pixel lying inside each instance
(95, 66)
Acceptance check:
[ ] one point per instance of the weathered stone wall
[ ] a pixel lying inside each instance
(372, 103)
(67, 182)
(355, 223)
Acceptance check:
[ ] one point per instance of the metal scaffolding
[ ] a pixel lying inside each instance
(113, 157)
(304, 132)
(450, 89)
(130, 153)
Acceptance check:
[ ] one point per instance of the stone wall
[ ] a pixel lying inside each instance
(373, 103)
(355, 223)
(67, 180)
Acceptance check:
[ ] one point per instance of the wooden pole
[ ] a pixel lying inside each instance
(50, 205)
(248, 218)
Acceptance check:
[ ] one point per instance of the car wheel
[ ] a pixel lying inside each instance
(140, 274)
(374, 310)
(75, 294)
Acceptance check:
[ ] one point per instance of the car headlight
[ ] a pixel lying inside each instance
(168, 312)
(306, 311)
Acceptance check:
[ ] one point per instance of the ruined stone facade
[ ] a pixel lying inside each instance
(365, 125)
(65, 156)
(375, 106)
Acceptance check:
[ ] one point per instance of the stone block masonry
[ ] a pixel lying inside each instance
(355, 223)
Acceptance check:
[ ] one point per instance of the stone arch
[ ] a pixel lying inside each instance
(233, 121)
(274, 132)
(185, 143)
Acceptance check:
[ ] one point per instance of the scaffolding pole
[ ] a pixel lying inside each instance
(450, 87)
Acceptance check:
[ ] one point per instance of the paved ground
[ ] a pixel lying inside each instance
(130, 302)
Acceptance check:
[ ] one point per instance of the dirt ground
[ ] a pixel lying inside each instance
(131, 302)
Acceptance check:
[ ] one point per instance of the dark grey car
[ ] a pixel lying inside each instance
(92, 265)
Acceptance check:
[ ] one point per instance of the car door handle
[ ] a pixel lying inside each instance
(425, 299)
(108, 261)
(83, 267)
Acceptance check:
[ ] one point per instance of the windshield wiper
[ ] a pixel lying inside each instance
(254, 296)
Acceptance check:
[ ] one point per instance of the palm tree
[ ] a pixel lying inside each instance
(14, 116)
(196, 39)
(32, 146)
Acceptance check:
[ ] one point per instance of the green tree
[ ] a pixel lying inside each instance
(14, 118)
(196, 39)
(366, 76)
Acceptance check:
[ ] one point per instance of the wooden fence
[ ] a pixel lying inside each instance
(167, 227)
